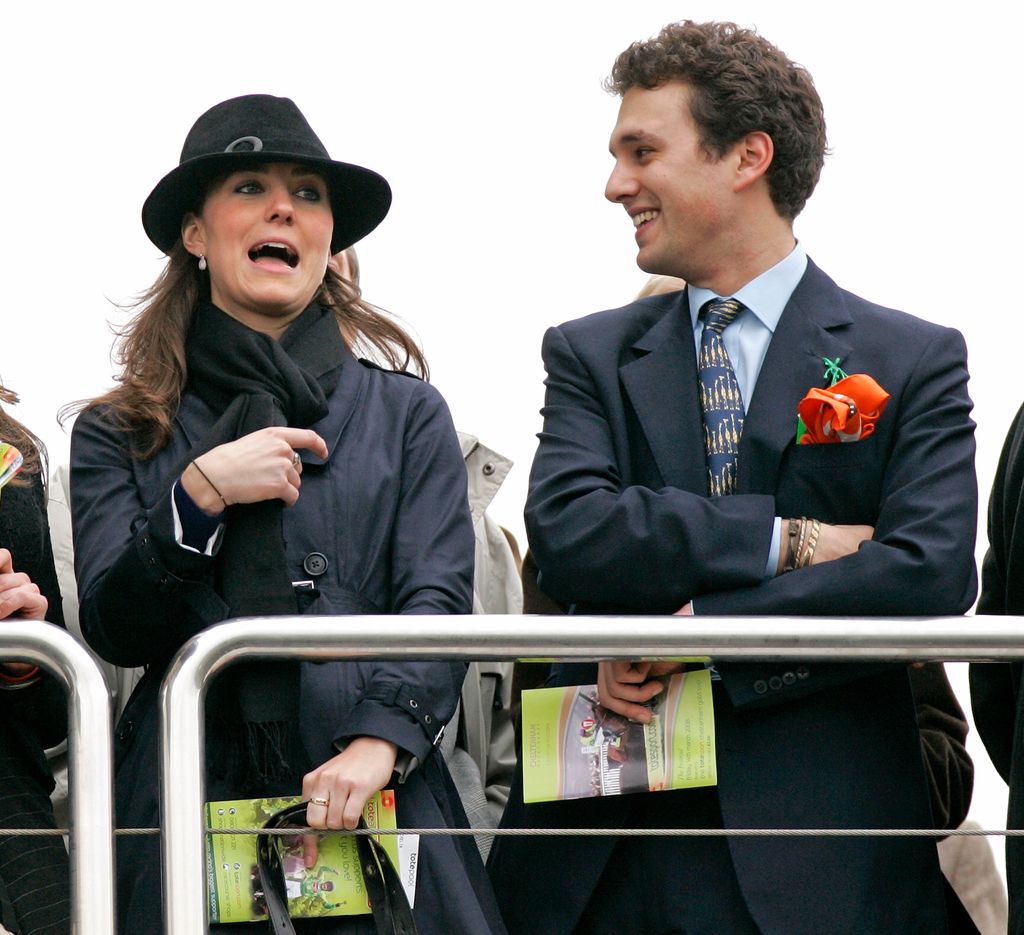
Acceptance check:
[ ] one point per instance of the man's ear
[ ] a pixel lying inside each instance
(193, 234)
(753, 154)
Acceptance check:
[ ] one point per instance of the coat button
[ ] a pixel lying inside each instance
(775, 683)
(124, 731)
(315, 564)
(803, 672)
(488, 469)
(788, 678)
(760, 686)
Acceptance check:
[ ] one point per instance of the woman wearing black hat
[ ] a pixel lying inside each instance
(249, 464)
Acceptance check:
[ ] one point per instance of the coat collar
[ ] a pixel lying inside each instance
(662, 386)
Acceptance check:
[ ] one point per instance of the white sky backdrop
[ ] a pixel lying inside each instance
(490, 123)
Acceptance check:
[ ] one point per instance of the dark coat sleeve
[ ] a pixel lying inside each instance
(431, 560)
(137, 586)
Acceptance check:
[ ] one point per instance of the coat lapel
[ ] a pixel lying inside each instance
(662, 386)
(343, 402)
(811, 328)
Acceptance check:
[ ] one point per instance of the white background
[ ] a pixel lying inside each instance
(491, 125)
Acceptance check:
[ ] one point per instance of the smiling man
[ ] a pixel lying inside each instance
(673, 476)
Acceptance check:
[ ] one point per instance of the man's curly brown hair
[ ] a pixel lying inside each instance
(739, 83)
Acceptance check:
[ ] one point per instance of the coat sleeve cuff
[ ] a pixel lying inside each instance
(402, 719)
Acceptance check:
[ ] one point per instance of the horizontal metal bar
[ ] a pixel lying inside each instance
(484, 636)
(506, 637)
(90, 763)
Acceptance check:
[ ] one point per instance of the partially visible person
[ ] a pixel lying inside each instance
(997, 699)
(479, 743)
(34, 879)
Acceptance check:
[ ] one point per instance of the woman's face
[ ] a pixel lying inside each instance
(266, 235)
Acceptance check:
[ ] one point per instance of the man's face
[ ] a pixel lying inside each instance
(679, 199)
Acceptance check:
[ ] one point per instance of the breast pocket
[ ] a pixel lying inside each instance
(839, 483)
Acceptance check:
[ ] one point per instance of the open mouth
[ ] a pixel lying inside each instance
(274, 251)
(643, 217)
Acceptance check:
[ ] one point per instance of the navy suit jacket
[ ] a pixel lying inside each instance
(619, 521)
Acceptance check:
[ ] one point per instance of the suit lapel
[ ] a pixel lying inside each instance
(811, 328)
(662, 386)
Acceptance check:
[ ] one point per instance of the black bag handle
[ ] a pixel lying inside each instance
(392, 914)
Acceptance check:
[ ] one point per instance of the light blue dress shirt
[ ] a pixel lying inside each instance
(748, 337)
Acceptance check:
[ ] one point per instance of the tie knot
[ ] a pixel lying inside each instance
(718, 314)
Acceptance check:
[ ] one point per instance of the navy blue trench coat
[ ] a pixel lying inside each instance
(382, 527)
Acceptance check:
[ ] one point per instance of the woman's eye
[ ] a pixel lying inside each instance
(310, 193)
(249, 188)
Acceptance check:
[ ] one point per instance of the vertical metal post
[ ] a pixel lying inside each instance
(90, 764)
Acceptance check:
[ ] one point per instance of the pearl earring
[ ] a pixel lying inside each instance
(202, 262)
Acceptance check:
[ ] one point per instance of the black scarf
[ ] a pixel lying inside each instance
(254, 382)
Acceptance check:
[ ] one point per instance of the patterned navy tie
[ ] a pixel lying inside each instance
(720, 397)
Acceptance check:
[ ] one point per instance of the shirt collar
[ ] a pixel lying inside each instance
(766, 295)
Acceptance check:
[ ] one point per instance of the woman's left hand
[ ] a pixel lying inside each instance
(347, 781)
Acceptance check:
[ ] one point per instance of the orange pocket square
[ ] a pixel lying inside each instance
(846, 412)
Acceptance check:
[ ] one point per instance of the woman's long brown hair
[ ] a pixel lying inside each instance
(151, 349)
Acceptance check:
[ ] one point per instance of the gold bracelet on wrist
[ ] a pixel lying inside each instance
(812, 543)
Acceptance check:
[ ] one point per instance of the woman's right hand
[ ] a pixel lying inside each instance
(258, 466)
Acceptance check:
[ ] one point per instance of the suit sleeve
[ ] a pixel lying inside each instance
(600, 540)
(920, 561)
(943, 741)
(431, 556)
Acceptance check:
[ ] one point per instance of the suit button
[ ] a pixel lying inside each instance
(788, 678)
(124, 731)
(775, 683)
(488, 469)
(315, 564)
(760, 686)
(802, 672)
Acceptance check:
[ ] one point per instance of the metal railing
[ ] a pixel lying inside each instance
(90, 764)
(182, 696)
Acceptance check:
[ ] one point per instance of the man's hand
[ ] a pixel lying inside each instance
(624, 686)
(836, 541)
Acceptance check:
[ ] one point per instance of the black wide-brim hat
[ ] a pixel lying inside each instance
(256, 129)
